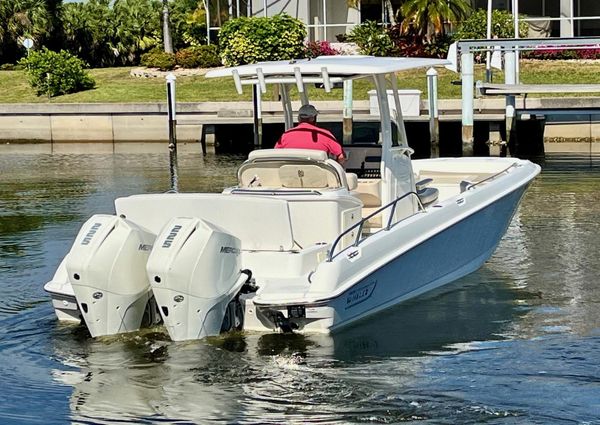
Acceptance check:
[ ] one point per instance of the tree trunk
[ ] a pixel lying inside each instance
(390, 11)
(167, 40)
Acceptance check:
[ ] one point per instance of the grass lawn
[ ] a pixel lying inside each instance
(116, 85)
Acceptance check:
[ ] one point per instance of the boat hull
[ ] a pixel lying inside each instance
(456, 251)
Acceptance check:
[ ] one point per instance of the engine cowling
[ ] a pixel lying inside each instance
(194, 270)
(107, 270)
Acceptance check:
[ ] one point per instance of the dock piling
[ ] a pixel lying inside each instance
(434, 124)
(466, 70)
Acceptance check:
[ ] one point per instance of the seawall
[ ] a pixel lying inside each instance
(570, 124)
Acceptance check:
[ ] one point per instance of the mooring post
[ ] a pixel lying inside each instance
(466, 70)
(510, 77)
(434, 125)
(257, 122)
(172, 131)
(347, 120)
(171, 111)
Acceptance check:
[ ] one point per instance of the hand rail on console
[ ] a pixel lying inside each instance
(361, 223)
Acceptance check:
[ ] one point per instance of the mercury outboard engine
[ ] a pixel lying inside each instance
(107, 270)
(194, 270)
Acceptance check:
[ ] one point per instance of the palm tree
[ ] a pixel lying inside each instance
(429, 16)
(19, 19)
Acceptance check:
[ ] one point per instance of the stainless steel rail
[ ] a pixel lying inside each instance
(362, 222)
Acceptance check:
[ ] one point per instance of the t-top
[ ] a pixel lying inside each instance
(308, 136)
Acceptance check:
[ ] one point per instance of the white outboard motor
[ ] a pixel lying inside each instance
(107, 270)
(194, 269)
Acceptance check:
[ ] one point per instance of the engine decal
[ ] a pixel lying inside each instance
(230, 250)
(144, 247)
(172, 234)
(358, 295)
(90, 234)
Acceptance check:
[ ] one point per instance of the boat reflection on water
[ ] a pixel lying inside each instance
(478, 307)
(145, 376)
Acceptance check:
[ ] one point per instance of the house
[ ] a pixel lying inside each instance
(325, 19)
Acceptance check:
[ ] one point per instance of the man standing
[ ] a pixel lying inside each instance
(306, 135)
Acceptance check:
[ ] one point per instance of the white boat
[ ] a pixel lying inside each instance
(300, 244)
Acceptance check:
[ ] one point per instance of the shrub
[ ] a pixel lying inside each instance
(416, 45)
(475, 26)
(55, 73)
(198, 57)
(565, 53)
(249, 40)
(157, 58)
(372, 39)
(320, 48)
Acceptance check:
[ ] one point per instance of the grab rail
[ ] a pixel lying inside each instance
(472, 185)
(361, 223)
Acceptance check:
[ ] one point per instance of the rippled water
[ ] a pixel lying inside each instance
(516, 342)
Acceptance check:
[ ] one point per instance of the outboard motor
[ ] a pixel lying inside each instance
(107, 270)
(194, 270)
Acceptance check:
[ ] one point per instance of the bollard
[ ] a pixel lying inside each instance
(466, 70)
(434, 125)
(171, 111)
(347, 120)
(257, 122)
(509, 78)
(172, 132)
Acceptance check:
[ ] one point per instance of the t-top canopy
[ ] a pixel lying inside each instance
(352, 65)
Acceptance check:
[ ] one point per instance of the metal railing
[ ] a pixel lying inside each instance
(487, 179)
(362, 222)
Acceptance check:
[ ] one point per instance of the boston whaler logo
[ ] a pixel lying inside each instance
(172, 234)
(358, 295)
(90, 234)
(229, 250)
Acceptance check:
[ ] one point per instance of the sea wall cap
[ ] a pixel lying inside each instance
(307, 111)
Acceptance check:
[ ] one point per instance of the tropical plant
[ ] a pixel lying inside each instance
(24, 18)
(205, 56)
(320, 48)
(55, 73)
(157, 58)
(475, 26)
(249, 40)
(412, 43)
(429, 16)
(372, 39)
(136, 29)
(107, 33)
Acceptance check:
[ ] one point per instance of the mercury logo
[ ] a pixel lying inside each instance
(169, 240)
(90, 234)
(229, 250)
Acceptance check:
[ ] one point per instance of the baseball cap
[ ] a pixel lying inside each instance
(307, 111)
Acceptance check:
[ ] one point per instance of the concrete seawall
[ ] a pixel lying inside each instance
(577, 128)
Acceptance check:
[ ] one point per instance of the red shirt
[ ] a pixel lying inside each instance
(308, 136)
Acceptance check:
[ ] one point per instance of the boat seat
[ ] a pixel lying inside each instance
(305, 175)
(369, 192)
(427, 195)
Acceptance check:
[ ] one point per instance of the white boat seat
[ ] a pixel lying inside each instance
(369, 192)
(352, 180)
(303, 176)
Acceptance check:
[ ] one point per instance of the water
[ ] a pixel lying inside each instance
(516, 342)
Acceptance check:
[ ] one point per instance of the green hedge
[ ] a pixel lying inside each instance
(198, 57)
(249, 40)
(475, 26)
(55, 73)
(372, 39)
(157, 58)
